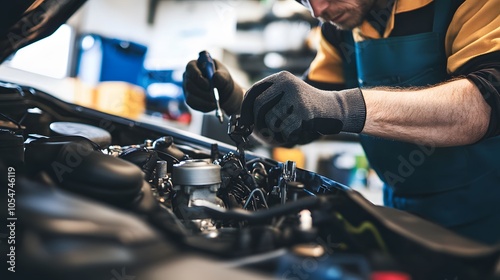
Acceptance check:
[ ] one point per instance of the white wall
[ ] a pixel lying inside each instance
(128, 18)
(124, 19)
(180, 30)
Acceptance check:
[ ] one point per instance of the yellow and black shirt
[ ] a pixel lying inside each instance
(472, 45)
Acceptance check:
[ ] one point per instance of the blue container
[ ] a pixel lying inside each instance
(108, 59)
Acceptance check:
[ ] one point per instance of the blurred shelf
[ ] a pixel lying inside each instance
(295, 62)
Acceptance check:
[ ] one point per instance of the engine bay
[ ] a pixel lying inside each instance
(209, 199)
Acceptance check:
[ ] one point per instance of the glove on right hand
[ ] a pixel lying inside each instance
(287, 111)
(200, 96)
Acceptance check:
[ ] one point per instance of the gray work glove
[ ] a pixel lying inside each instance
(286, 110)
(200, 96)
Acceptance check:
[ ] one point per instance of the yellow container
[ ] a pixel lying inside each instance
(120, 98)
(283, 154)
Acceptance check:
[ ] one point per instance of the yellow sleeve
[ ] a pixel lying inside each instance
(474, 30)
(327, 65)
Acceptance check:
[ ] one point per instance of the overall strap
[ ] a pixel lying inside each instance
(443, 13)
(447, 8)
(349, 61)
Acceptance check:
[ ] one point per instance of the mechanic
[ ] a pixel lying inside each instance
(419, 80)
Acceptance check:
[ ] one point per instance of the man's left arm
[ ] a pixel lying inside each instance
(449, 114)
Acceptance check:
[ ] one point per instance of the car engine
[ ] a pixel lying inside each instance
(101, 196)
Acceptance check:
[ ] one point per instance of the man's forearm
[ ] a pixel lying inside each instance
(450, 114)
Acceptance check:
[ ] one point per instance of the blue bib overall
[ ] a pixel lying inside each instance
(457, 187)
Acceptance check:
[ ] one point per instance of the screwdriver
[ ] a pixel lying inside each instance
(207, 67)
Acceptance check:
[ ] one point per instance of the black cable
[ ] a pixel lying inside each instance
(262, 215)
(12, 120)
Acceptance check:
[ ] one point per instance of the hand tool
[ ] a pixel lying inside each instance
(239, 133)
(207, 67)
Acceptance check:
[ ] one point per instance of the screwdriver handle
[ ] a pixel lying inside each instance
(207, 66)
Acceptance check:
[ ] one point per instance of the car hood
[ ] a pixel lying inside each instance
(23, 22)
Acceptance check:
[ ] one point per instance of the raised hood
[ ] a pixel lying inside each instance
(23, 22)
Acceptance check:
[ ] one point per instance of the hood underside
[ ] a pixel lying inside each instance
(23, 22)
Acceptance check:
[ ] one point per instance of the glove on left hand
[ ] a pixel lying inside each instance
(286, 110)
(200, 96)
